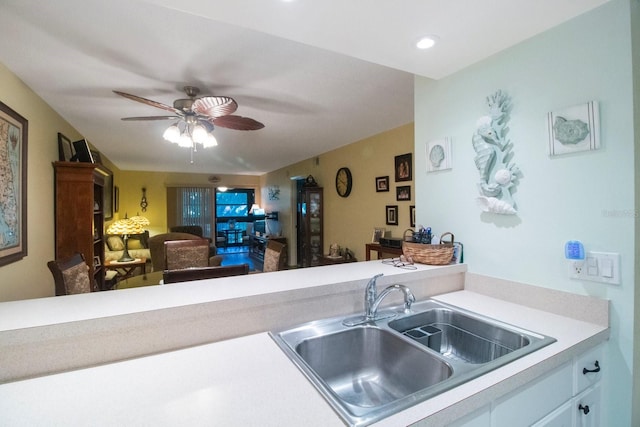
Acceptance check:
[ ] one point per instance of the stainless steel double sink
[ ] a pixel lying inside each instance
(372, 370)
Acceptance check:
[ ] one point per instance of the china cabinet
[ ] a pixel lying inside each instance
(310, 227)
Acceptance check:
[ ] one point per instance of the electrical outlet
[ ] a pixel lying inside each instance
(603, 267)
(576, 268)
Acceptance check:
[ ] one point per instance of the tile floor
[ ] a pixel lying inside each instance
(236, 255)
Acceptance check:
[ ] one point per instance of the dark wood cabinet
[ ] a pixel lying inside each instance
(257, 246)
(310, 227)
(79, 215)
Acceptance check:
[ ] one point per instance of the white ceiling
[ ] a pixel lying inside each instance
(319, 74)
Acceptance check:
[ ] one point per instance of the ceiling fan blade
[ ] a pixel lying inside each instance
(214, 106)
(237, 123)
(152, 118)
(146, 101)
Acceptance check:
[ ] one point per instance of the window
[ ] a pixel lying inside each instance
(195, 207)
(232, 208)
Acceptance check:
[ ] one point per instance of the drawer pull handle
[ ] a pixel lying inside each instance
(584, 408)
(585, 371)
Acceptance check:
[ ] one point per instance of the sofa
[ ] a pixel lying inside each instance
(138, 245)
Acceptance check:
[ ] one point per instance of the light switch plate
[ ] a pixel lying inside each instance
(603, 267)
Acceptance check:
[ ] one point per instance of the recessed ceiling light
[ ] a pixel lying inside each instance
(426, 42)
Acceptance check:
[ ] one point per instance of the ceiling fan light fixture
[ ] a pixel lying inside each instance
(199, 134)
(172, 134)
(185, 140)
(210, 141)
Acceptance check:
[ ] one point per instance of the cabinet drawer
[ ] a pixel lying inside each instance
(535, 401)
(584, 364)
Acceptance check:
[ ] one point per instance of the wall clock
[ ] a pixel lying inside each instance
(343, 182)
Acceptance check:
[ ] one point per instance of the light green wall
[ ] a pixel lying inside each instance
(347, 221)
(561, 198)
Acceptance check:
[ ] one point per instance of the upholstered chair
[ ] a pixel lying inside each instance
(179, 254)
(196, 230)
(274, 256)
(71, 275)
(184, 275)
(156, 247)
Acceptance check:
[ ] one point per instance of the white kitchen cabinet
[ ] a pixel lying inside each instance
(479, 418)
(587, 408)
(569, 396)
(561, 417)
(536, 400)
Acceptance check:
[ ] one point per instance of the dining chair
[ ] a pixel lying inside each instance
(71, 275)
(180, 254)
(274, 256)
(188, 274)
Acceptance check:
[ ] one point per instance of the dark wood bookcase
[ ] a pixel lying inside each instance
(79, 215)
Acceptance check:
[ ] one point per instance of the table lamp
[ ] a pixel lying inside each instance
(125, 227)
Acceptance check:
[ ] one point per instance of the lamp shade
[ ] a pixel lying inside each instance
(140, 220)
(125, 226)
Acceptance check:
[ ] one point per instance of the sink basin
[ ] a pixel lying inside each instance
(370, 371)
(463, 337)
(368, 367)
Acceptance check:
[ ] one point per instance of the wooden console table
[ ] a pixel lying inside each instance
(127, 269)
(376, 247)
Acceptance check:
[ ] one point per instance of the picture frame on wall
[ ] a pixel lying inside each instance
(392, 214)
(107, 203)
(403, 193)
(13, 135)
(382, 184)
(404, 167)
(412, 216)
(65, 150)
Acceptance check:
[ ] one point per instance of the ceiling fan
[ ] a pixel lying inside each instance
(205, 110)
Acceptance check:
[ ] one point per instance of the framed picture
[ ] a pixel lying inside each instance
(392, 214)
(96, 157)
(574, 129)
(107, 193)
(116, 198)
(403, 167)
(403, 193)
(13, 164)
(412, 216)
(378, 232)
(439, 155)
(382, 184)
(65, 150)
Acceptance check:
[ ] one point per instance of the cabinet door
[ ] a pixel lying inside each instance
(561, 417)
(587, 408)
(479, 418)
(534, 402)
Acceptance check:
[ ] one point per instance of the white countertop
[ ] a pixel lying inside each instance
(249, 381)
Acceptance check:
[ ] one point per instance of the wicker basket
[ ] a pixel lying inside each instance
(441, 254)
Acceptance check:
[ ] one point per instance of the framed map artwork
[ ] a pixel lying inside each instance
(13, 185)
